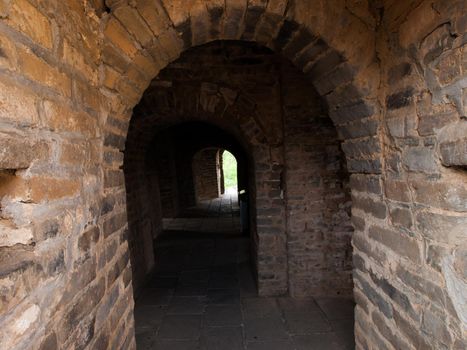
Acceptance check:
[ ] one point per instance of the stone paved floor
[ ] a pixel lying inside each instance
(203, 297)
(217, 215)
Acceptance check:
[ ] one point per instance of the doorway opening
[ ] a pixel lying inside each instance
(291, 174)
(229, 172)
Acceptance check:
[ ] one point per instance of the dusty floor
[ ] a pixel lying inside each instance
(203, 295)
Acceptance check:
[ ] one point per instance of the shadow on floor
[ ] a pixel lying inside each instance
(203, 297)
(217, 215)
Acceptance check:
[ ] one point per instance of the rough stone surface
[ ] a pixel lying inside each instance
(390, 75)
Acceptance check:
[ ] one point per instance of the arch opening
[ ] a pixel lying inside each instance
(393, 86)
(229, 171)
(298, 182)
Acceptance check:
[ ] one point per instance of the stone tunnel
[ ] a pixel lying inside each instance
(348, 224)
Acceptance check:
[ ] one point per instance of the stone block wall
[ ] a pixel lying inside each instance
(65, 275)
(392, 75)
(410, 283)
(317, 194)
(206, 173)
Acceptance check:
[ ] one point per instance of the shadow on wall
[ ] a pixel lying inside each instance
(167, 182)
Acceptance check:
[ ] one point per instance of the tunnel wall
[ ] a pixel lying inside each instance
(70, 76)
(303, 183)
(317, 194)
(206, 174)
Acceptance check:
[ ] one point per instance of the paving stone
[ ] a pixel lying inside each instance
(265, 329)
(307, 323)
(186, 306)
(188, 291)
(223, 315)
(180, 327)
(149, 316)
(321, 341)
(163, 282)
(223, 296)
(145, 340)
(337, 308)
(194, 278)
(260, 308)
(298, 306)
(223, 338)
(271, 345)
(175, 345)
(155, 296)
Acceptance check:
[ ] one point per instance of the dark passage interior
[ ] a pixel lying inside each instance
(348, 124)
(259, 265)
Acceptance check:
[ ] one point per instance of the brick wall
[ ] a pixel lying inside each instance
(391, 74)
(317, 194)
(206, 173)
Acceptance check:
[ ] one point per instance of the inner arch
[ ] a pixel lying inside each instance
(298, 182)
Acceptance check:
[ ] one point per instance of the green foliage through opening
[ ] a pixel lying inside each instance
(229, 165)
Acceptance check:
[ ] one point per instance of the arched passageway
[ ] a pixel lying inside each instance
(256, 104)
(391, 77)
(281, 124)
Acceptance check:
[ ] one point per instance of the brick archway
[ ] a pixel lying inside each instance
(393, 77)
(352, 105)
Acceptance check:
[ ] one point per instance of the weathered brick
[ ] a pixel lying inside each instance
(75, 58)
(453, 144)
(420, 159)
(387, 331)
(436, 327)
(398, 72)
(234, 14)
(397, 190)
(396, 295)
(411, 331)
(102, 341)
(346, 114)
(341, 75)
(400, 99)
(134, 24)
(421, 285)
(18, 105)
(401, 244)
(429, 124)
(113, 178)
(50, 342)
(105, 307)
(40, 71)
(448, 196)
(118, 35)
(365, 166)
(88, 238)
(365, 183)
(114, 223)
(442, 228)
(26, 18)
(60, 117)
(297, 43)
(82, 307)
(113, 140)
(285, 34)
(375, 297)
(324, 65)
(361, 128)
(401, 217)
(19, 153)
(49, 189)
(154, 14)
(370, 206)
(364, 246)
(361, 148)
